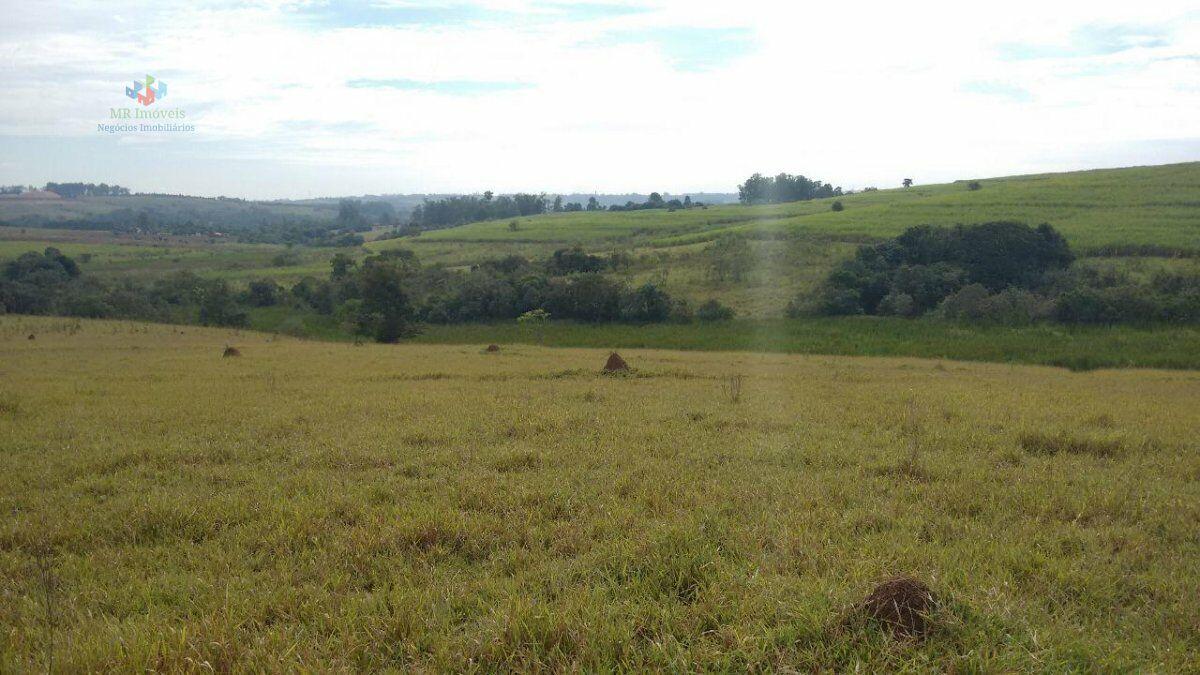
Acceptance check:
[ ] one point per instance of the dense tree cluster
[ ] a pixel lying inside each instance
(452, 211)
(52, 283)
(759, 189)
(914, 272)
(1002, 272)
(656, 201)
(71, 190)
(385, 296)
(569, 285)
(251, 223)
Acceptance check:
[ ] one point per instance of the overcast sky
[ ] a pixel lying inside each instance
(296, 99)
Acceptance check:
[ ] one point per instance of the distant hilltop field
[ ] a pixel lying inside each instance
(1131, 209)
(32, 195)
(1140, 207)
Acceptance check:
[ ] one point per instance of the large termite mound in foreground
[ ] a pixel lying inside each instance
(902, 604)
(616, 364)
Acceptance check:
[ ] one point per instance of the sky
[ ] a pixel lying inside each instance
(293, 99)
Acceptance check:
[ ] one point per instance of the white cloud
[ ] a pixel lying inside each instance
(857, 93)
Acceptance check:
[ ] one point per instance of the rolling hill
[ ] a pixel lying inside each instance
(1151, 208)
(1141, 218)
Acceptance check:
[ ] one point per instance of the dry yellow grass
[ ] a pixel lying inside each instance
(338, 507)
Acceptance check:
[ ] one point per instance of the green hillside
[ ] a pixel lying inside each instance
(1140, 219)
(1154, 207)
(215, 213)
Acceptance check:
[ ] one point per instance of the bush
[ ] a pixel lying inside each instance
(574, 261)
(681, 311)
(1010, 307)
(898, 304)
(964, 304)
(263, 293)
(1015, 307)
(646, 304)
(584, 297)
(1115, 304)
(713, 311)
(837, 206)
(1180, 295)
(974, 185)
(834, 301)
(218, 307)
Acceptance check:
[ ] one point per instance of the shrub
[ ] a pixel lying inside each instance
(834, 301)
(837, 206)
(218, 307)
(1180, 296)
(1116, 304)
(713, 311)
(974, 185)
(927, 285)
(585, 297)
(897, 304)
(263, 293)
(965, 303)
(1014, 307)
(645, 304)
(799, 307)
(573, 260)
(681, 311)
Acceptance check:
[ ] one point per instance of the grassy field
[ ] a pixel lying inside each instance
(319, 506)
(1073, 347)
(200, 210)
(1114, 208)
(109, 256)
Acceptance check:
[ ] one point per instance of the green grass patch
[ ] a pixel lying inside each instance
(1074, 347)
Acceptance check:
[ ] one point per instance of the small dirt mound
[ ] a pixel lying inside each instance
(231, 351)
(616, 364)
(492, 348)
(32, 337)
(903, 604)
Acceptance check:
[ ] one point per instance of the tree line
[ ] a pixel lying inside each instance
(72, 190)
(998, 272)
(386, 297)
(236, 220)
(460, 210)
(759, 189)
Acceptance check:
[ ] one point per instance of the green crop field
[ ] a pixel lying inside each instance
(1143, 206)
(206, 211)
(109, 256)
(323, 506)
